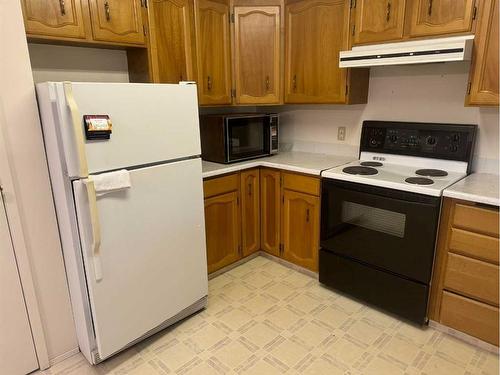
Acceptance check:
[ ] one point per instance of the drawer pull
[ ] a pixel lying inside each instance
(107, 11)
(62, 7)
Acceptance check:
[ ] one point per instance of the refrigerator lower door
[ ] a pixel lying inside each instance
(151, 255)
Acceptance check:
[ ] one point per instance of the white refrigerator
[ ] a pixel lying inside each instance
(125, 169)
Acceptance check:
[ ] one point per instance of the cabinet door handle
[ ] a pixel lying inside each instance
(268, 83)
(430, 8)
(209, 83)
(250, 189)
(294, 82)
(107, 12)
(62, 6)
(307, 215)
(388, 17)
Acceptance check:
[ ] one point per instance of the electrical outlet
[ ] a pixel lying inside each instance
(341, 133)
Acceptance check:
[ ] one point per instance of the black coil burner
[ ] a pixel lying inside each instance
(365, 171)
(371, 164)
(419, 181)
(431, 172)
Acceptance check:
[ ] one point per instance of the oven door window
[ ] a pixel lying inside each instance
(374, 219)
(247, 137)
(388, 229)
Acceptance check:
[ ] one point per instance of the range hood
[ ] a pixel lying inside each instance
(458, 48)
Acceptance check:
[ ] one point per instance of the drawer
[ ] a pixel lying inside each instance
(300, 183)
(220, 185)
(474, 245)
(477, 219)
(472, 277)
(474, 318)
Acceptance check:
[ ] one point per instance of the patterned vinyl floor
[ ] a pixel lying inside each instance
(264, 318)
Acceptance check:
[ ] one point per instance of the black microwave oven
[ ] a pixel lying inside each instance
(229, 138)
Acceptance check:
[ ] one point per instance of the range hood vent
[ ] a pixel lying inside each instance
(457, 48)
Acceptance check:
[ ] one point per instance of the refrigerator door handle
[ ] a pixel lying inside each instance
(77, 130)
(96, 230)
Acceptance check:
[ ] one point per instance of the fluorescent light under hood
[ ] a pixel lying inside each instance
(457, 48)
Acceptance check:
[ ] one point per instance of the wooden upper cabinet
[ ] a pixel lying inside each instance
(437, 17)
(213, 52)
(483, 84)
(222, 228)
(270, 203)
(379, 21)
(316, 32)
(257, 54)
(250, 211)
(301, 229)
(118, 21)
(172, 40)
(54, 18)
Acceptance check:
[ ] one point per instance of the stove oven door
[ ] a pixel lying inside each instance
(387, 229)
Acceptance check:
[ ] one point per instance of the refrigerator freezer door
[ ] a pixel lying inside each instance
(151, 252)
(151, 123)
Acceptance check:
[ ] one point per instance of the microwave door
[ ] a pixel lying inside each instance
(247, 138)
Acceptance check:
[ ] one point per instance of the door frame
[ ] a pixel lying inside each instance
(19, 244)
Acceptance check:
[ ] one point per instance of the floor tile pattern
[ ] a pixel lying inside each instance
(264, 318)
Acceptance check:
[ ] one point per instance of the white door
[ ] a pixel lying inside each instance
(17, 351)
(152, 252)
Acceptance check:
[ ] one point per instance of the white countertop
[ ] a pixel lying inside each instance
(302, 162)
(477, 187)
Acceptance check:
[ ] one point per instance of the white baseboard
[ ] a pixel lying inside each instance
(62, 357)
(464, 337)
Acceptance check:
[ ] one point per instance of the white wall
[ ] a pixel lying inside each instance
(28, 196)
(67, 63)
(426, 93)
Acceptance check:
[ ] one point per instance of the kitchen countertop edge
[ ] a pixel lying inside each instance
(476, 187)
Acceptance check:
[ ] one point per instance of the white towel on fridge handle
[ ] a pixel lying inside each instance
(112, 181)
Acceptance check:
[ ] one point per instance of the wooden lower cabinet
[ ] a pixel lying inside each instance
(222, 227)
(262, 209)
(270, 198)
(300, 225)
(464, 293)
(250, 211)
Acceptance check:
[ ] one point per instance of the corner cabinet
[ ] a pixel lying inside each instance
(484, 81)
(437, 17)
(378, 21)
(213, 52)
(171, 24)
(270, 203)
(315, 33)
(257, 37)
(250, 211)
(54, 18)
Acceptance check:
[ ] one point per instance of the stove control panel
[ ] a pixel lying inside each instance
(440, 141)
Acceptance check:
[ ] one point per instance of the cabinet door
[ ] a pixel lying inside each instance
(213, 52)
(250, 211)
(316, 32)
(270, 199)
(437, 17)
(117, 21)
(483, 85)
(257, 54)
(301, 229)
(172, 40)
(56, 18)
(379, 21)
(222, 227)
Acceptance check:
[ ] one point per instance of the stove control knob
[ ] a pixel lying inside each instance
(431, 141)
(454, 148)
(373, 142)
(456, 137)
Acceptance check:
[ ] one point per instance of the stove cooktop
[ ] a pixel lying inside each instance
(399, 176)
